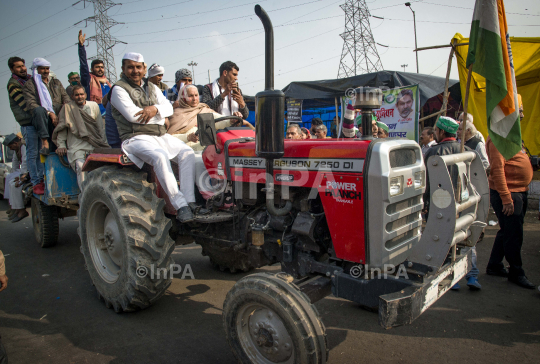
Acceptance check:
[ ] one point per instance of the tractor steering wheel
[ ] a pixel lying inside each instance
(240, 120)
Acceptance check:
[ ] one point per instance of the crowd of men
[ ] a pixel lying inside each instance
(135, 114)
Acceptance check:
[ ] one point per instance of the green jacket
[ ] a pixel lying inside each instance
(17, 103)
(59, 97)
(146, 97)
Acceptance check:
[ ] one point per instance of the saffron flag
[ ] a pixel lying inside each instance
(491, 56)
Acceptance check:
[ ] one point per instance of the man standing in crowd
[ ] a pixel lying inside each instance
(223, 95)
(472, 140)
(427, 139)
(155, 75)
(80, 129)
(74, 80)
(182, 77)
(321, 131)
(509, 183)
(294, 132)
(14, 180)
(95, 83)
(44, 98)
(382, 130)
(334, 126)
(141, 125)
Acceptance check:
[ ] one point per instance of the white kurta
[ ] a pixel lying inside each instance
(14, 194)
(157, 151)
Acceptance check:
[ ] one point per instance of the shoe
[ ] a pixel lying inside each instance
(11, 214)
(184, 214)
(522, 281)
(473, 284)
(44, 151)
(19, 218)
(455, 287)
(39, 189)
(11, 217)
(9, 211)
(198, 210)
(499, 272)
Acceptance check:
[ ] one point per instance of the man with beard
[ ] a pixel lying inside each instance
(80, 129)
(404, 103)
(44, 96)
(382, 130)
(95, 83)
(140, 110)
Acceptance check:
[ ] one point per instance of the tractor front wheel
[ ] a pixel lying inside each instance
(125, 238)
(268, 320)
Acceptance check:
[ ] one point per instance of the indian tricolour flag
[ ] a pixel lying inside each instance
(491, 56)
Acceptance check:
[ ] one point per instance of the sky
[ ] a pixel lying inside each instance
(173, 33)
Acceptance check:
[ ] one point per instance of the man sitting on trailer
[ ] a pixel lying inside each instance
(140, 110)
(80, 129)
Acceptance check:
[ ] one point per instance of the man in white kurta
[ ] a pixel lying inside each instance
(151, 147)
(13, 184)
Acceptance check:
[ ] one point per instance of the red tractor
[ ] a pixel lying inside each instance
(341, 217)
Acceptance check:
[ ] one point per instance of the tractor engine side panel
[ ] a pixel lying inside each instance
(343, 202)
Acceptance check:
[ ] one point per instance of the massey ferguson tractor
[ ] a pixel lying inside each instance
(342, 217)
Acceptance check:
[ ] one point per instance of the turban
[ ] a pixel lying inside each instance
(383, 126)
(72, 74)
(182, 73)
(447, 124)
(40, 62)
(155, 70)
(135, 57)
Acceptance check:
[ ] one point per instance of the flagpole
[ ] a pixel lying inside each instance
(466, 104)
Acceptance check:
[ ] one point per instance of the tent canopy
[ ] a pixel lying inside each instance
(526, 59)
(429, 86)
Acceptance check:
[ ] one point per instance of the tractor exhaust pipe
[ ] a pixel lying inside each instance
(270, 118)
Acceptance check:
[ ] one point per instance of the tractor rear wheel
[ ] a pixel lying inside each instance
(268, 320)
(125, 238)
(45, 223)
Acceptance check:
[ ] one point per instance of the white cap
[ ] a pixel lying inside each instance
(40, 62)
(136, 57)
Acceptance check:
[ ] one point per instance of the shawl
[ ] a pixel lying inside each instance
(185, 116)
(43, 91)
(228, 106)
(95, 88)
(82, 125)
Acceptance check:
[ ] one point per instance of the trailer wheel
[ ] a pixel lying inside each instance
(268, 320)
(125, 238)
(45, 223)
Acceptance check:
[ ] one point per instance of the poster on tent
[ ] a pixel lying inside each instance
(294, 111)
(399, 110)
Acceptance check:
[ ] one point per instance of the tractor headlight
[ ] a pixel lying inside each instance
(396, 186)
(419, 179)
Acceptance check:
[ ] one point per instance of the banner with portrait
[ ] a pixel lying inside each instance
(399, 110)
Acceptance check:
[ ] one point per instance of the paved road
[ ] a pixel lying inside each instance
(50, 313)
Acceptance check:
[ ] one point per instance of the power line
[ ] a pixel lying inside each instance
(41, 21)
(213, 22)
(155, 8)
(192, 14)
(460, 7)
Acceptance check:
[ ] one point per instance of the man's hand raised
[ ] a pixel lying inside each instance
(237, 96)
(82, 37)
(228, 89)
(146, 114)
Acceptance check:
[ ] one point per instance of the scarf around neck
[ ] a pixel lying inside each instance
(43, 91)
(96, 93)
(21, 80)
(228, 106)
(185, 117)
